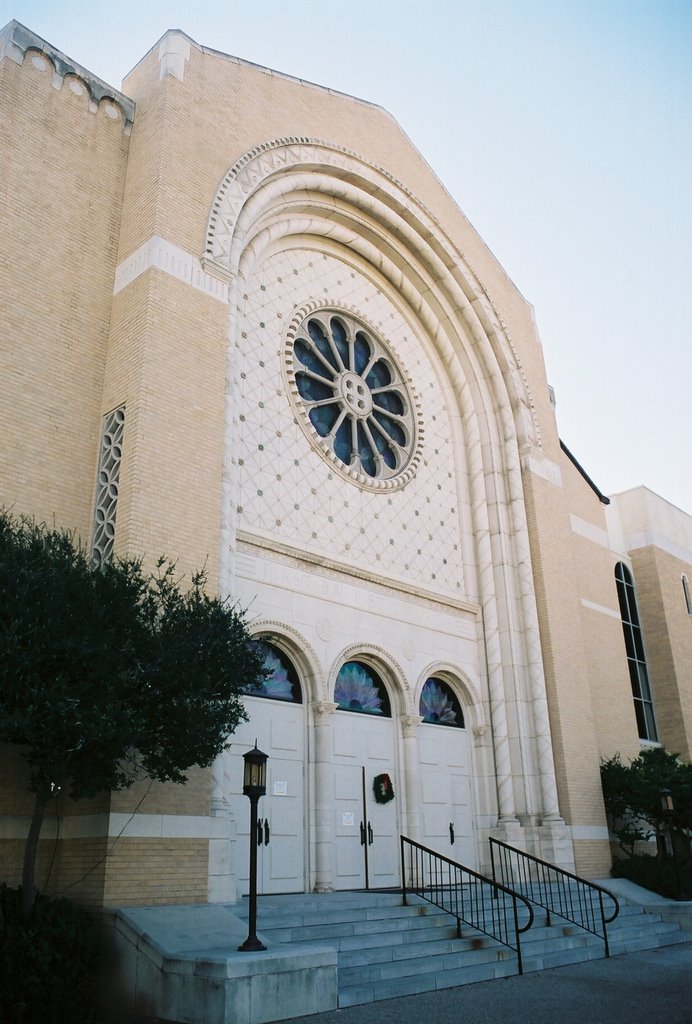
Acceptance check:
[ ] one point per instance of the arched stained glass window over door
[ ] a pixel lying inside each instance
(359, 688)
(281, 682)
(439, 704)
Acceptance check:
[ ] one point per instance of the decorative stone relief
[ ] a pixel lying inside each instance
(20, 43)
(269, 159)
(284, 487)
(174, 52)
(170, 259)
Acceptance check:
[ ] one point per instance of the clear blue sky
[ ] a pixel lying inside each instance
(563, 129)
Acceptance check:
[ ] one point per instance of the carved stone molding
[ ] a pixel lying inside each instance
(381, 660)
(323, 709)
(467, 692)
(274, 157)
(409, 725)
(19, 44)
(275, 551)
(298, 649)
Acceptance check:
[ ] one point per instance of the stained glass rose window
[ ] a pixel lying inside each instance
(439, 705)
(354, 398)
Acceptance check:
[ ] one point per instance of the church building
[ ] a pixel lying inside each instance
(245, 326)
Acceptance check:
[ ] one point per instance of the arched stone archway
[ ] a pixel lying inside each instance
(299, 224)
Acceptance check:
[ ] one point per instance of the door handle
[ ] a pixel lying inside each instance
(259, 832)
(266, 831)
(362, 834)
(451, 833)
(370, 834)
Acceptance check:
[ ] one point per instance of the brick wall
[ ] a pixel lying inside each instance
(63, 170)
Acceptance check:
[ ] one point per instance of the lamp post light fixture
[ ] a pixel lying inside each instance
(254, 786)
(668, 809)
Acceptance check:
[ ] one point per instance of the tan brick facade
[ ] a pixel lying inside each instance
(153, 258)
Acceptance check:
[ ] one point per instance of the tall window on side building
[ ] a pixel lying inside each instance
(636, 659)
(686, 592)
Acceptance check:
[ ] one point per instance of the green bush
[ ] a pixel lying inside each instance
(48, 962)
(654, 874)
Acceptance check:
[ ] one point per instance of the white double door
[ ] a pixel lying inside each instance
(365, 849)
(445, 781)
(279, 728)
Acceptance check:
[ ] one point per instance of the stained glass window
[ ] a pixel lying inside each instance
(355, 397)
(281, 683)
(358, 688)
(439, 705)
(636, 658)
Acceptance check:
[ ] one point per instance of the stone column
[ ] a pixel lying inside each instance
(411, 825)
(324, 795)
(221, 886)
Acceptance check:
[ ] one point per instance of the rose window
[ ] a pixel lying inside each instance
(354, 397)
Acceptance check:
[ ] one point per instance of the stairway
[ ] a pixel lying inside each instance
(385, 949)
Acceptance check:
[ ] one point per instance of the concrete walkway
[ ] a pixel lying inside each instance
(650, 987)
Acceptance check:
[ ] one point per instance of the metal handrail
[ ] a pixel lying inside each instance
(466, 895)
(558, 891)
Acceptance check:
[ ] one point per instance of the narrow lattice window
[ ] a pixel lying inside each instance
(107, 485)
(636, 658)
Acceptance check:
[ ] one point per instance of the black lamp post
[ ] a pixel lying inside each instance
(668, 808)
(254, 786)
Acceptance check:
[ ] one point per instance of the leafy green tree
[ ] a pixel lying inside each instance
(632, 795)
(109, 673)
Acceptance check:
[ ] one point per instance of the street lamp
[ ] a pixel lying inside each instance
(254, 786)
(668, 809)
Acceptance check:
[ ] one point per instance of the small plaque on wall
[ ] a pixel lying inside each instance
(280, 788)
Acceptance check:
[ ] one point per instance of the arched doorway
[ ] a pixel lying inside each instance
(366, 822)
(445, 774)
(277, 722)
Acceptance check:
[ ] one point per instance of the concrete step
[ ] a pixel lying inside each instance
(358, 933)
(386, 949)
(501, 966)
(439, 962)
(426, 944)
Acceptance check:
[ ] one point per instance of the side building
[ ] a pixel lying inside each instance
(246, 326)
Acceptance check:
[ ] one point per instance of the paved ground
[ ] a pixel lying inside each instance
(651, 987)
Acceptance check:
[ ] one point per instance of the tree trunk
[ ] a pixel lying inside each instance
(30, 852)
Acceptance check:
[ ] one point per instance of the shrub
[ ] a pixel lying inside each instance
(632, 795)
(48, 961)
(653, 873)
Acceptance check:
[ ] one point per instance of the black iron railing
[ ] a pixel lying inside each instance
(558, 891)
(473, 899)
